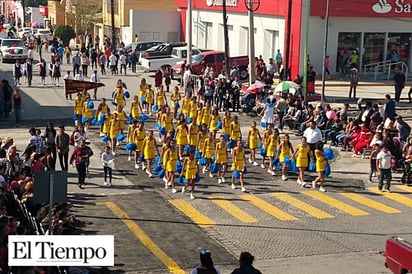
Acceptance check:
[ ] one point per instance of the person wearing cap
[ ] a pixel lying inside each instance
(206, 264)
(95, 79)
(246, 265)
(354, 79)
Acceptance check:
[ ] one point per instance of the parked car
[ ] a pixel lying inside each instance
(12, 49)
(165, 50)
(398, 254)
(44, 34)
(214, 59)
(141, 46)
(26, 31)
(178, 54)
(154, 48)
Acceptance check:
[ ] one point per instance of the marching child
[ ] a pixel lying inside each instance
(321, 163)
(285, 150)
(108, 162)
(253, 140)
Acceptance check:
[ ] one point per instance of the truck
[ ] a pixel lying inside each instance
(398, 255)
(166, 61)
(215, 59)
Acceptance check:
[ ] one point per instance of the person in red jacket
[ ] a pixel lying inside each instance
(81, 156)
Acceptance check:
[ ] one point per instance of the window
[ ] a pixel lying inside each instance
(210, 59)
(220, 58)
(347, 42)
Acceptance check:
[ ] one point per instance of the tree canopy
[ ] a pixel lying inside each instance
(65, 33)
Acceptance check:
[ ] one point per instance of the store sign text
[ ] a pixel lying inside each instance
(402, 7)
(383, 7)
(229, 3)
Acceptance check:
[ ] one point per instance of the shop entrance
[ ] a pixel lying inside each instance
(373, 47)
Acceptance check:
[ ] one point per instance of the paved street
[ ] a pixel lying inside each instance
(287, 228)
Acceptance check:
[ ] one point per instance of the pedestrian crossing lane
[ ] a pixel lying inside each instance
(191, 212)
(393, 196)
(309, 209)
(232, 209)
(333, 202)
(268, 208)
(370, 203)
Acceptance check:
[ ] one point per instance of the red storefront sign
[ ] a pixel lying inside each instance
(267, 7)
(367, 8)
(44, 10)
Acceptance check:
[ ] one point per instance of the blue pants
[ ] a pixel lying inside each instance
(386, 173)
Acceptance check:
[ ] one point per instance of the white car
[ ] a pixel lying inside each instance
(26, 31)
(44, 34)
(12, 49)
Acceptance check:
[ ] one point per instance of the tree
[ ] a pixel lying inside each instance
(65, 33)
(83, 14)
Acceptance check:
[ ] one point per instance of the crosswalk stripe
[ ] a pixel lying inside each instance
(232, 209)
(191, 212)
(268, 208)
(370, 203)
(139, 233)
(336, 203)
(393, 196)
(311, 210)
(405, 188)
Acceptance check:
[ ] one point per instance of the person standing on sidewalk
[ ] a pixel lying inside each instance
(16, 105)
(399, 80)
(62, 145)
(383, 167)
(108, 163)
(354, 79)
(81, 156)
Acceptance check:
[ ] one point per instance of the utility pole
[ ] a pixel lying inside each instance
(189, 32)
(113, 28)
(226, 37)
(251, 43)
(287, 55)
(325, 50)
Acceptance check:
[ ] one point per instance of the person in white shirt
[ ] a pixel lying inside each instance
(96, 79)
(79, 76)
(271, 68)
(313, 136)
(112, 63)
(68, 76)
(383, 167)
(187, 77)
(123, 63)
(30, 54)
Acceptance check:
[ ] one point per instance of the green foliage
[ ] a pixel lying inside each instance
(65, 33)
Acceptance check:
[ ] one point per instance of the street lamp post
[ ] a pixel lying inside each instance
(325, 49)
(113, 27)
(189, 31)
(252, 6)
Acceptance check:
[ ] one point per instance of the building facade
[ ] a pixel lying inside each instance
(376, 29)
(270, 27)
(122, 15)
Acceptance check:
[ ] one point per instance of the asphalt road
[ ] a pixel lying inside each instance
(287, 228)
